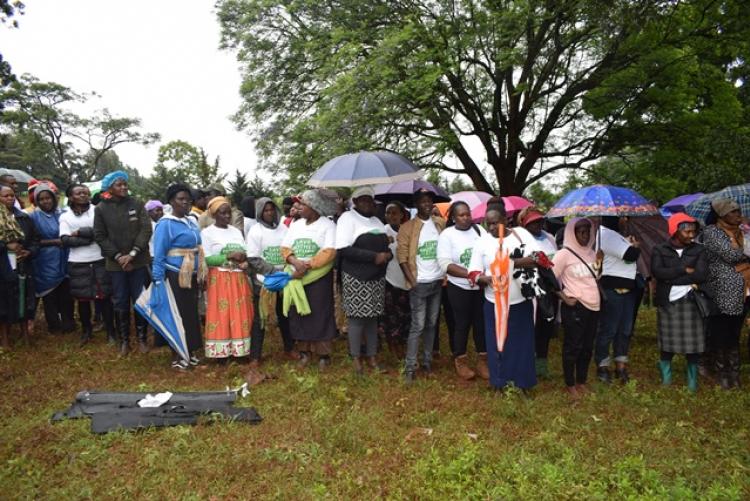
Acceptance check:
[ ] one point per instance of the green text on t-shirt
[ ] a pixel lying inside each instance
(272, 255)
(305, 248)
(428, 250)
(465, 257)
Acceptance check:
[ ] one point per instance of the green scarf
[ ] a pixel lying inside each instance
(294, 291)
(10, 230)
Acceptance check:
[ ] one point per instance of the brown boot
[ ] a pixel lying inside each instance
(462, 370)
(482, 369)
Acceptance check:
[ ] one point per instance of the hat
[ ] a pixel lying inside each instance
(724, 206)
(674, 222)
(215, 203)
(110, 178)
(153, 204)
(530, 216)
(363, 191)
(319, 202)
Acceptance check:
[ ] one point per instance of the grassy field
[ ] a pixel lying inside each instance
(331, 435)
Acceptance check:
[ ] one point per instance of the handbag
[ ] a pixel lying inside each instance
(602, 295)
(706, 305)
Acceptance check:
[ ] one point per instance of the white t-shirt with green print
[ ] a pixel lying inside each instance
(428, 268)
(306, 240)
(456, 245)
(265, 243)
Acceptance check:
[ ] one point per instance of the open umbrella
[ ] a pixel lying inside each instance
(678, 204)
(364, 168)
(701, 207)
(21, 176)
(602, 200)
(475, 200)
(404, 192)
(512, 203)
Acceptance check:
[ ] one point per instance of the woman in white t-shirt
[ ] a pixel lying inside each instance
(89, 281)
(394, 325)
(263, 243)
(516, 363)
(455, 246)
(310, 247)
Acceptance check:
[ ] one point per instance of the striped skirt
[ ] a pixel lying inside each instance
(681, 327)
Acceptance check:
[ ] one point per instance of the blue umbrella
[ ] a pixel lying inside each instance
(678, 204)
(364, 168)
(404, 192)
(157, 305)
(701, 208)
(603, 200)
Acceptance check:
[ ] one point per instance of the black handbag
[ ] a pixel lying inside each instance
(706, 305)
(602, 296)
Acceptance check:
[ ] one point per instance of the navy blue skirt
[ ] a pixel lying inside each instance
(516, 363)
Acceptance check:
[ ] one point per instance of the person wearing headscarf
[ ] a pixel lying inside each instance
(395, 323)
(618, 280)
(515, 364)
(18, 246)
(263, 243)
(574, 267)
(155, 211)
(417, 256)
(51, 262)
(122, 229)
(205, 220)
(179, 265)
(729, 285)
(229, 298)
(89, 281)
(362, 245)
(679, 266)
(532, 219)
(310, 248)
(455, 246)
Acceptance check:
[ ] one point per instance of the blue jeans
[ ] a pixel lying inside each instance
(615, 327)
(127, 286)
(424, 299)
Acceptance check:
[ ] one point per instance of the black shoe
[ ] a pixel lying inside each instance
(604, 375)
(86, 336)
(409, 377)
(622, 375)
(427, 368)
(194, 361)
(122, 324)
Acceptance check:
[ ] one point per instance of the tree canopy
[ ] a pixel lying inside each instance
(512, 90)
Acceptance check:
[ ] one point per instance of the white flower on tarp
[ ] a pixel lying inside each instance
(155, 400)
(242, 391)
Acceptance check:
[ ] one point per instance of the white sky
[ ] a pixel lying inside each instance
(157, 60)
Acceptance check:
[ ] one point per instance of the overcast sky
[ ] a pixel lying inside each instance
(157, 60)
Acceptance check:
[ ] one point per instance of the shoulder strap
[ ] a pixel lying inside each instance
(581, 259)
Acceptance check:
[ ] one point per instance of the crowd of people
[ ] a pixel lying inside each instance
(319, 267)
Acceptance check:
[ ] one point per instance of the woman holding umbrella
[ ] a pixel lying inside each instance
(310, 248)
(179, 264)
(729, 285)
(17, 249)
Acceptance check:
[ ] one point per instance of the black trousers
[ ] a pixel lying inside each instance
(692, 358)
(544, 331)
(449, 321)
(724, 331)
(579, 328)
(466, 306)
(58, 308)
(84, 313)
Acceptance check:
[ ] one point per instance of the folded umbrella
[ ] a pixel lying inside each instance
(276, 281)
(158, 306)
(500, 272)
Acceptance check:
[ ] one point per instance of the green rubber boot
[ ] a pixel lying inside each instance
(665, 367)
(692, 377)
(542, 371)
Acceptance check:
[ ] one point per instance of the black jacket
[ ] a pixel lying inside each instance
(668, 268)
(121, 226)
(30, 242)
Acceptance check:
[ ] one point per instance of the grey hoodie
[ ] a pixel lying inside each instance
(260, 205)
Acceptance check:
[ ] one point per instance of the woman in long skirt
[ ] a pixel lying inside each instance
(679, 265)
(309, 247)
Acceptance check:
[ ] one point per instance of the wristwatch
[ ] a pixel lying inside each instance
(132, 253)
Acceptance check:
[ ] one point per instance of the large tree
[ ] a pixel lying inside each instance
(75, 143)
(514, 90)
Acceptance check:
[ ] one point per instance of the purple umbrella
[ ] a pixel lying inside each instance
(678, 204)
(404, 192)
(364, 168)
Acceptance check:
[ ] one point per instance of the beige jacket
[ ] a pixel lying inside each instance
(408, 241)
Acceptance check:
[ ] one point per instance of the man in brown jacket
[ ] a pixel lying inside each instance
(417, 255)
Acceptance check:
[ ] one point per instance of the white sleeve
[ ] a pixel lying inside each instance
(65, 229)
(253, 241)
(444, 250)
(612, 243)
(329, 237)
(344, 231)
(209, 243)
(477, 261)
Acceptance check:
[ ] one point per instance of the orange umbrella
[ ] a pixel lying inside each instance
(500, 272)
(443, 208)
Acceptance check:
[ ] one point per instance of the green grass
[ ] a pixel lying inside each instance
(335, 436)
